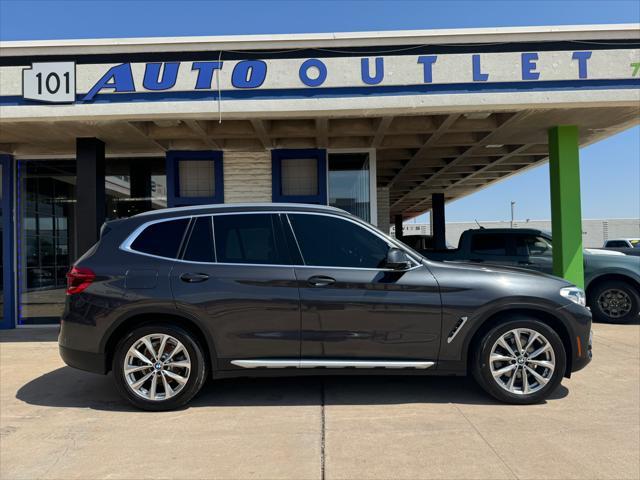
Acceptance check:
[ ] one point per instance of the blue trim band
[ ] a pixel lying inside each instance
(339, 92)
(8, 288)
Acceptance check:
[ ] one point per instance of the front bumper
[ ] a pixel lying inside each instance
(581, 336)
(582, 359)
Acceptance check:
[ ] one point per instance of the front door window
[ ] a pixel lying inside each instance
(333, 242)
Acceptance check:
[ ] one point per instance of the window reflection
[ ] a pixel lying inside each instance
(349, 183)
(46, 200)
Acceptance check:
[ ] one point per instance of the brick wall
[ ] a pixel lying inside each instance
(247, 177)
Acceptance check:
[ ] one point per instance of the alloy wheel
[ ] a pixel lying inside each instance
(614, 303)
(157, 367)
(522, 361)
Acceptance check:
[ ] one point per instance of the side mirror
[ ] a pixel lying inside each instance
(397, 259)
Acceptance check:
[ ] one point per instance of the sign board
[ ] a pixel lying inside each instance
(66, 82)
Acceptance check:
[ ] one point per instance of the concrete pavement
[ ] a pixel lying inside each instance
(59, 423)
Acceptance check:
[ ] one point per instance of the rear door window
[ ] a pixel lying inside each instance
(161, 239)
(249, 239)
(488, 244)
(200, 244)
(616, 244)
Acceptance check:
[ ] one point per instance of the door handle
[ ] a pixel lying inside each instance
(524, 262)
(476, 260)
(194, 277)
(320, 281)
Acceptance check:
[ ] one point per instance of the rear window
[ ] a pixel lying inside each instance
(488, 244)
(616, 244)
(162, 239)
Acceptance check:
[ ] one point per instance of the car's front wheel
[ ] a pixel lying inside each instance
(159, 367)
(520, 361)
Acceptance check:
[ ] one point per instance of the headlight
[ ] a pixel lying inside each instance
(575, 294)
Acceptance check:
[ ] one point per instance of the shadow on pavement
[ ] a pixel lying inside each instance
(67, 387)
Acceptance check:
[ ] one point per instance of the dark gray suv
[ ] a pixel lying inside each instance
(170, 298)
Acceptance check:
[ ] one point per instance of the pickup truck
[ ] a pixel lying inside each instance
(612, 279)
(628, 246)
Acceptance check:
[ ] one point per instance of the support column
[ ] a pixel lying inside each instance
(438, 221)
(90, 206)
(398, 224)
(8, 310)
(566, 214)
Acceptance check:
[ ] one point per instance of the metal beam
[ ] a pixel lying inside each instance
(7, 148)
(261, 132)
(141, 130)
(441, 130)
(381, 131)
(480, 144)
(322, 128)
(511, 154)
(197, 128)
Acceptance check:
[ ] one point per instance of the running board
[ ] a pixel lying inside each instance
(330, 364)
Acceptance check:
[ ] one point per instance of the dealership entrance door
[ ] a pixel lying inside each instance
(48, 219)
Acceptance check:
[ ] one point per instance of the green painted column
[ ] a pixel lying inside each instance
(566, 214)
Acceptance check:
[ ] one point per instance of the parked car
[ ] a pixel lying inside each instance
(612, 280)
(628, 246)
(420, 242)
(169, 298)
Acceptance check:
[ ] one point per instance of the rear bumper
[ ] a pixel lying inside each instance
(87, 361)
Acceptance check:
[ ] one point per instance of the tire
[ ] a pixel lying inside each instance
(626, 298)
(175, 365)
(516, 392)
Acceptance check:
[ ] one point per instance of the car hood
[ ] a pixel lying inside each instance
(499, 269)
(598, 260)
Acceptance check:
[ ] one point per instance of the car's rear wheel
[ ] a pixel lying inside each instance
(614, 302)
(520, 361)
(159, 367)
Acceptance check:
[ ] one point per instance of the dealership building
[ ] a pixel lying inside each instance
(386, 125)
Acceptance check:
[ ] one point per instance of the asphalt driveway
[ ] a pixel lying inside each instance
(60, 423)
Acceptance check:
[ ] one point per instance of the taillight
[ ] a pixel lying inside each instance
(79, 278)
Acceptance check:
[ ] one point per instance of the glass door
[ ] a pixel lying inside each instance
(350, 179)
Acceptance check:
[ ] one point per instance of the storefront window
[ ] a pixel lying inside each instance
(46, 201)
(1, 246)
(349, 183)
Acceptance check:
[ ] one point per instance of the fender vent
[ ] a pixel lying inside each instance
(456, 328)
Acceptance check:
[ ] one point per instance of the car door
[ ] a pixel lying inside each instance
(235, 276)
(534, 252)
(353, 308)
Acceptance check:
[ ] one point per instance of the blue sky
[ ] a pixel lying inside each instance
(610, 169)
